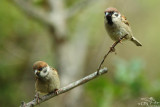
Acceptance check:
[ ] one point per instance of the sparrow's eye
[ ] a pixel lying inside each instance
(40, 69)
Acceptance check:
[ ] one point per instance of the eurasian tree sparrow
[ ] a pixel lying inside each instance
(47, 80)
(117, 26)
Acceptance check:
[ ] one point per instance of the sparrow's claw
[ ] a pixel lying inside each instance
(37, 98)
(112, 49)
(55, 92)
(120, 41)
(23, 104)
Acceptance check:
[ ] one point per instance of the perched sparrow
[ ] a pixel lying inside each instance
(47, 80)
(117, 26)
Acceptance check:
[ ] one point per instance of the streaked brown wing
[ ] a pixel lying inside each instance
(54, 69)
(124, 19)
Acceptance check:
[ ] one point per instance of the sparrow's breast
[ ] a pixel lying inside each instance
(115, 31)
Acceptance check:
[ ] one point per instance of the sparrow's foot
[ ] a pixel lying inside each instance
(97, 71)
(23, 104)
(37, 98)
(112, 49)
(121, 42)
(55, 92)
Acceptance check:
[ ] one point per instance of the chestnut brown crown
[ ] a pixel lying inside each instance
(39, 65)
(111, 9)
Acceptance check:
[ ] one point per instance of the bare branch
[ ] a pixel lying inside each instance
(65, 89)
(33, 12)
(112, 49)
(77, 7)
(55, 18)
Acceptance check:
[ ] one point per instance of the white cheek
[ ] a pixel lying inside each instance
(35, 71)
(115, 19)
(48, 68)
(119, 16)
(42, 74)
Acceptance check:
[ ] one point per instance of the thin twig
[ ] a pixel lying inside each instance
(112, 49)
(77, 7)
(65, 89)
(35, 13)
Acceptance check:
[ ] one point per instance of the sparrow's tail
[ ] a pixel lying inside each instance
(133, 39)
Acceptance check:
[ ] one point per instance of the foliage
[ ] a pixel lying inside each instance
(127, 80)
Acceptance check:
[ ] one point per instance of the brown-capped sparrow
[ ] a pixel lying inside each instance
(47, 79)
(117, 26)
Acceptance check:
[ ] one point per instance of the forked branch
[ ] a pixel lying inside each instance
(33, 12)
(112, 49)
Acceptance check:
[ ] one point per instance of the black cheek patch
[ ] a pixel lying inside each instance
(116, 15)
(45, 71)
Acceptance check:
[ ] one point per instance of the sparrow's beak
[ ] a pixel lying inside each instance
(106, 13)
(108, 16)
(37, 72)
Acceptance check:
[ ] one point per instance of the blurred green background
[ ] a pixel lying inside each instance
(133, 71)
